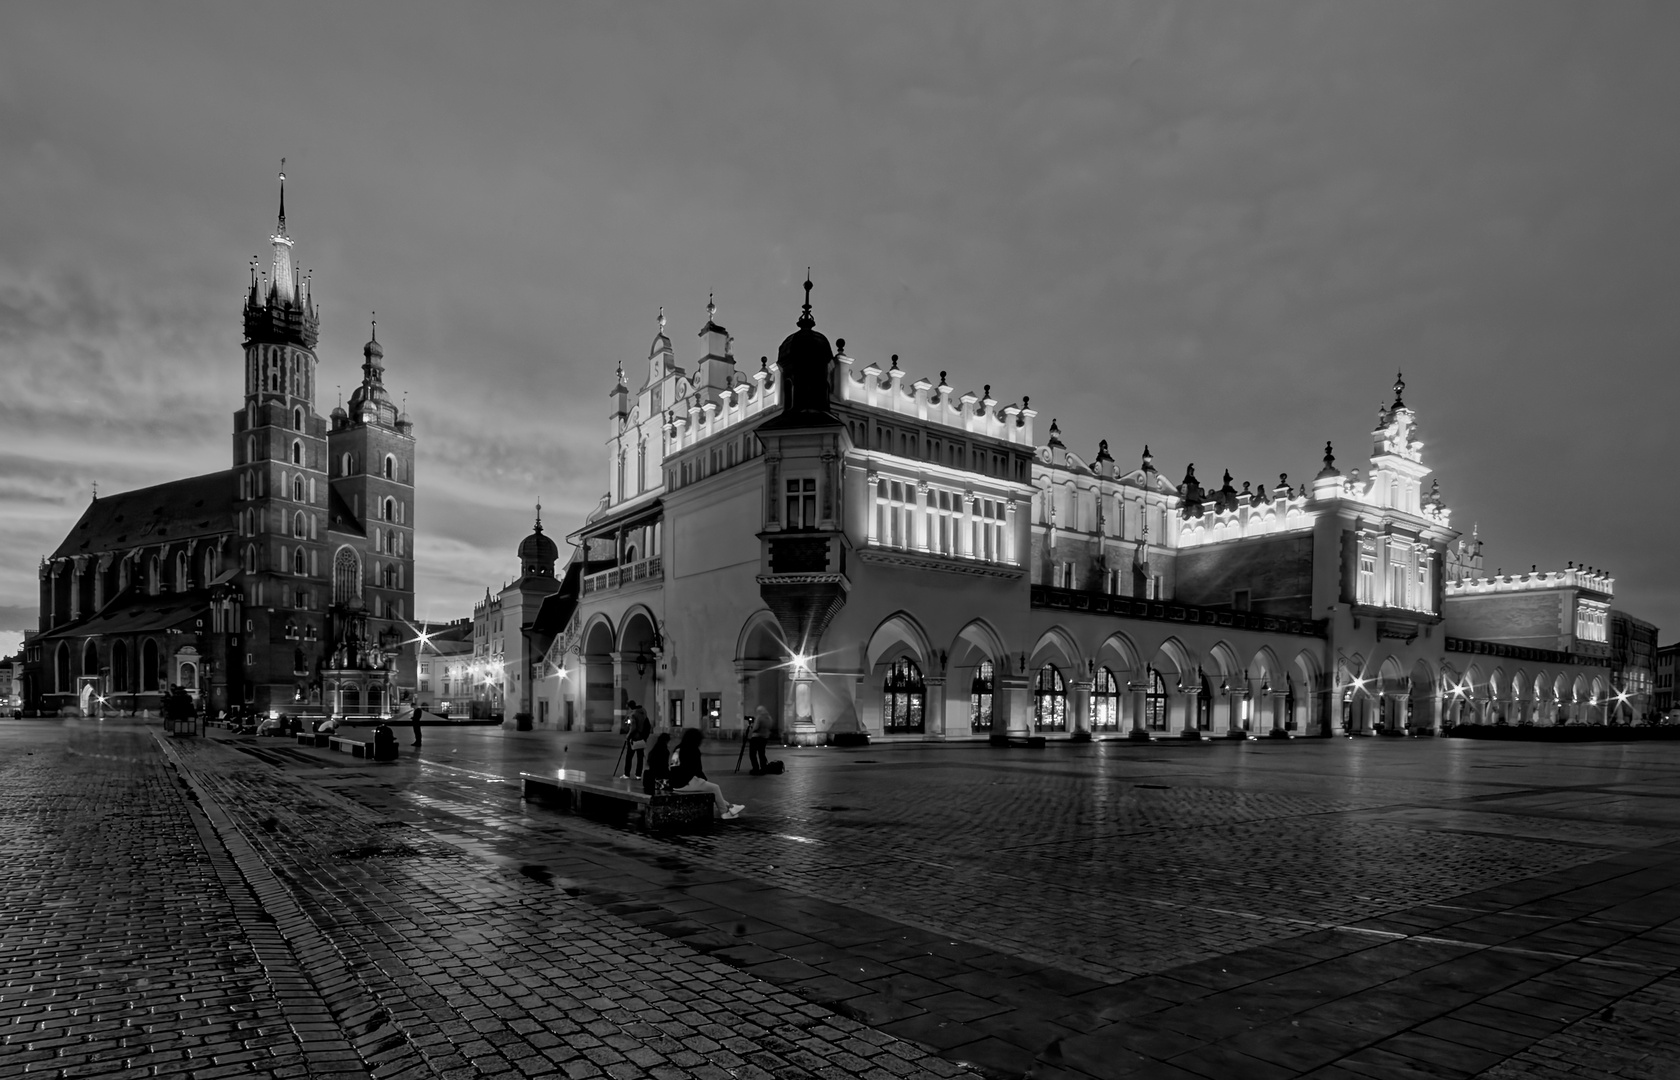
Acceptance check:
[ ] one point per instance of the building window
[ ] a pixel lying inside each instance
(980, 697)
(300, 562)
(801, 504)
(1105, 701)
(903, 698)
(390, 467)
(1049, 700)
(1155, 703)
(388, 509)
(180, 571)
(347, 576)
(297, 453)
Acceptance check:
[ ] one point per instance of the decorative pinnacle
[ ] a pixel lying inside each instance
(711, 308)
(539, 515)
(805, 320)
(282, 229)
(1399, 388)
(373, 316)
(661, 318)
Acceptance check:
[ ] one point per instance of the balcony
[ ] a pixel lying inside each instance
(620, 576)
(1131, 607)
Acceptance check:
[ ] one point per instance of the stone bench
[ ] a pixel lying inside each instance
(316, 738)
(354, 747)
(1033, 742)
(615, 802)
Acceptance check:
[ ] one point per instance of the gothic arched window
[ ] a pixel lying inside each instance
(347, 576)
(903, 698)
(388, 509)
(297, 489)
(1049, 700)
(250, 558)
(1155, 702)
(297, 419)
(300, 524)
(119, 668)
(390, 467)
(390, 575)
(300, 562)
(90, 659)
(980, 697)
(180, 571)
(1105, 702)
(297, 452)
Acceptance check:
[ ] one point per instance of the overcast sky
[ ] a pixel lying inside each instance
(1219, 229)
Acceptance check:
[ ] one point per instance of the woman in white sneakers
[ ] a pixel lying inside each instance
(688, 774)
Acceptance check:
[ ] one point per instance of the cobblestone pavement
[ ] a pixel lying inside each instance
(1327, 908)
(128, 945)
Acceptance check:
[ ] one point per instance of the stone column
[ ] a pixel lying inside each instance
(872, 506)
(1011, 706)
(1278, 731)
(934, 708)
(1079, 708)
(1137, 695)
(919, 527)
(1188, 695)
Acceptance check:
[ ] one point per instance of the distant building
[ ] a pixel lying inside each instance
(443, 653)
(856, 549)
(11, 683)
(1666, 696)
(513, 629)
(1633, 666)
(281, 584)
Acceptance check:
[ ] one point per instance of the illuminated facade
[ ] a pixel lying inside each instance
(857, 549)
(281, 584)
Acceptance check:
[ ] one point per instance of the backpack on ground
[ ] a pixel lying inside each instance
(774, 768)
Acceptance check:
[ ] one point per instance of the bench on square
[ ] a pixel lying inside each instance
(313, 738)
(354, 747)
(1034, 742)
(615, 800)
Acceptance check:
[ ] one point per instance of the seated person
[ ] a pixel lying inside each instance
(271, 725)
(688, 775)
(327, 726)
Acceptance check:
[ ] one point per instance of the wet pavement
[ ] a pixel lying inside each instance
(1342, 908)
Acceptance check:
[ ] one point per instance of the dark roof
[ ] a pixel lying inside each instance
(179, 510)
(339, 517)
(137, 613)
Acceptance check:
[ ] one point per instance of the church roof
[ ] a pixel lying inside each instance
(340, 518)
(179, 510)
(137, 613)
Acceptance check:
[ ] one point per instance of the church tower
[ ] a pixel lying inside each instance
(279, 465)
(371, 464)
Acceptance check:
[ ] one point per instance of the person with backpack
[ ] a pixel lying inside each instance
(687, 774)
(635, 741)
(658, 769)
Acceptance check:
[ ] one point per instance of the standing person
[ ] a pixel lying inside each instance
(414, 721)
(658, 765)
(636, 741)
(757, 735)
(689, 775)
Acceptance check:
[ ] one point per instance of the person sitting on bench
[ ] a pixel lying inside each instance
(688, 774)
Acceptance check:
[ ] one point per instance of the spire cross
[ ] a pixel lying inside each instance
(374, 316)
(661, 316)
(711, 308)
(805, 320)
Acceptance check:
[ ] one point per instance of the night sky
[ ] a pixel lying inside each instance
(1217, 229)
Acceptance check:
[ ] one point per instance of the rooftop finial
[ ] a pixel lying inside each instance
(373, 316)
(805, 320)
(661, 318)
(711, 307)
(282, 197)
(96, 491)
(1399, 388)
(539, 514)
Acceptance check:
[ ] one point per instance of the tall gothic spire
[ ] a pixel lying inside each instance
(282, 278)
